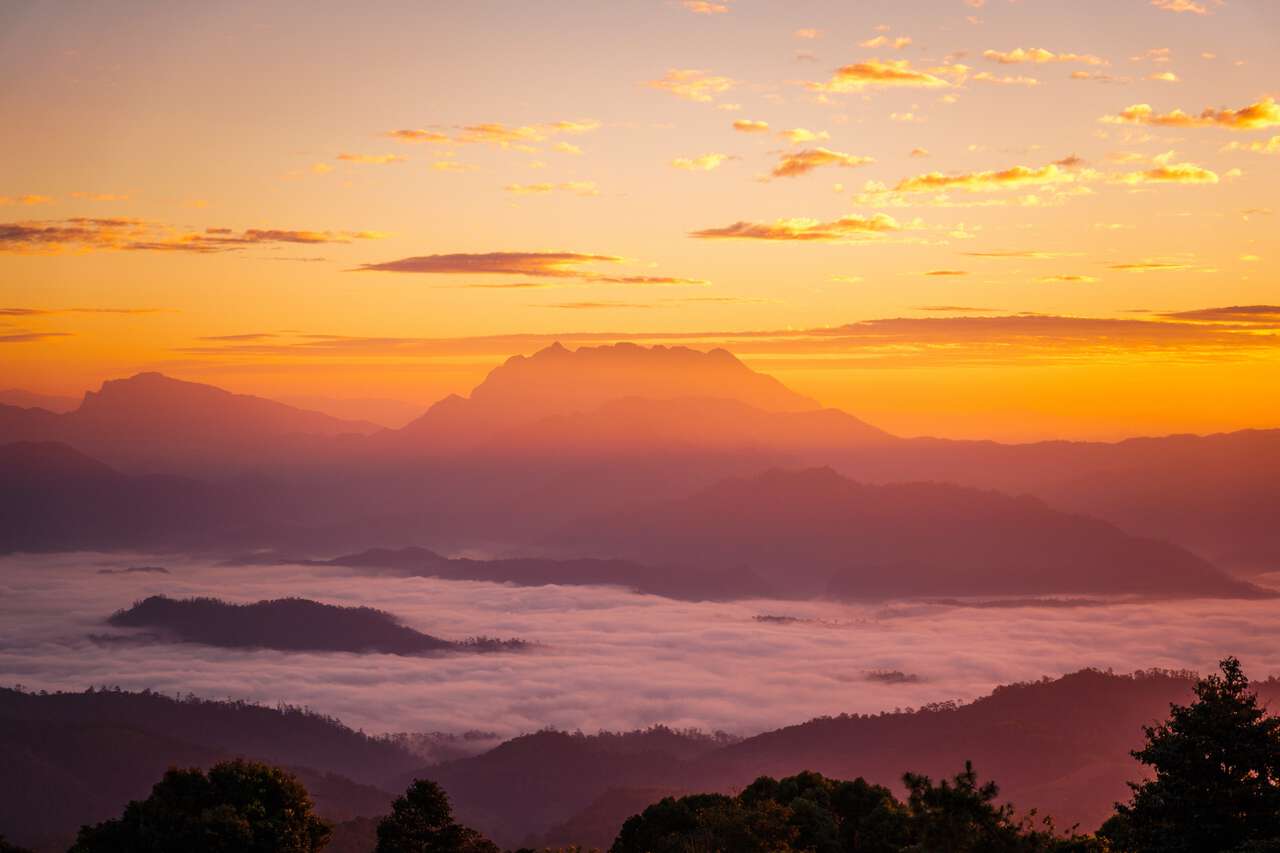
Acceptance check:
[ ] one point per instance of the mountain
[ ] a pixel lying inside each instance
(1213, 494)
(288, 624)
(556, 381)
(151, 422)
(530, 571)
(32, 400)
(1058, 745)
(816, 532)
(75, 758)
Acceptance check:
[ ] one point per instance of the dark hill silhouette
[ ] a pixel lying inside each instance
(32, 400)
(819, 532)
(524, 786)
(151, 422)
(53, 497)
(530, 571)
(289, 624)
(1059, 745)
(74, 758)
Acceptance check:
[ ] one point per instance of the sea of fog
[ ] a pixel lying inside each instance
(604, 658)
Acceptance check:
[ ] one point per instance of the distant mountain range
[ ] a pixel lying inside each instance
(1058, 745)
(813, 532)
(288, 624)
(563, 435)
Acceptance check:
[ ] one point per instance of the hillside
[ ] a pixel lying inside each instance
(820, 533)
(288, 624)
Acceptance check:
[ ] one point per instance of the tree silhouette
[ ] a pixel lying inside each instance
(239, 807)
(421, 821)
(1217, 776)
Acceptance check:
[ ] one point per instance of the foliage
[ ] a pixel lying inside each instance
(811, 813)
(1217, 776)
(421, 821)
(239, 807)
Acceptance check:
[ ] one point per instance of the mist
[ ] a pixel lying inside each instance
(713, 666)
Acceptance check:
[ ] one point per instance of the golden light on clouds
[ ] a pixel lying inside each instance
(768, 158)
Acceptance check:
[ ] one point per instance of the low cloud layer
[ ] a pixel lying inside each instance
(607, 658)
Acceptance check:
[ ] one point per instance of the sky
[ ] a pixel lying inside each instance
(1013, 219)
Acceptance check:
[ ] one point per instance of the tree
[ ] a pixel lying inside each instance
(239, 807)
(7, 846)
(421, 821)
(961, 816)
(1217, 776)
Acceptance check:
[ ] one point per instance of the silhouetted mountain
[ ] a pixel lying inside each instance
(558, 381)
(151, 422)
(1059, 745)
(73, 758)
(818, 532)
(529, 571)
(520, 789)
(289, 624)
(55, 498)
(32, 400)
(1211, 493)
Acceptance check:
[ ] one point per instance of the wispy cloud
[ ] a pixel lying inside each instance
(873, 73)
(692, 84)
(1039, 56)
(556, 265)
(795, 163)
(583, 188)
(371, 159)
(1263, 113)
(850, 228)
(132, 235)
(745, 125)
(701, 163)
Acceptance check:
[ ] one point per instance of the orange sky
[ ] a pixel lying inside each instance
(1004, 219)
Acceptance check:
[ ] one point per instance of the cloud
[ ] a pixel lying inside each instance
(947, 272)
(918, 152)
(705, 7)
(795, 163)
(28, 200)
(566, 148)
(851, 228)
(1038, 55)
(100, 196)
(127, 234)
(1068, 278)
(1165, 171)
(1151, 266)
(1183, 6)
(1263, 113)
(31, 337)
(807, 33)
(556, 265)
(372, 159)
(583, 188)
(702, 163)
(692, 84)
(46, 312)
(883, 40)
(1268, 315)
(878, 73)
(1267, 146)
(744, 125)
(1022, 254)
(710, 665)
(802, 134)
(594, 306)
(419, 136)
(1164, 77)
(1013, 177)
(1008, 80)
